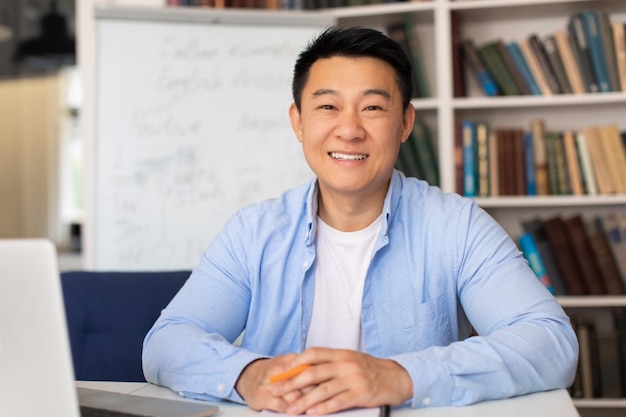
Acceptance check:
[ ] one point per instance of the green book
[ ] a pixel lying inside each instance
(493, 60)
(426, 157)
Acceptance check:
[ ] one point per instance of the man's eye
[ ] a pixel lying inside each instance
(327, 107)
(373, 107)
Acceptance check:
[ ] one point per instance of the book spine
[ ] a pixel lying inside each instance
(426, 157)
(512, 68)
(497, 68)
(573, 166)
(572, 71)
(476, 66)
(580, 47)
(533, 64)
(591, 23)
(584, 256)
(537, 129)
(619, 41)
(529, 164)
(531, 253)
(520, 62)
(606, 33)
(556, 62)
(415, 53)
(482, 152)
(588, 174)
(539, 50)
(469, 158)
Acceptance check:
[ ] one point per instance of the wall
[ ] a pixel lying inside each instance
(29, 115)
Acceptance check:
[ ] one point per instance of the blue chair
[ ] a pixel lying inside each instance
(108, 316)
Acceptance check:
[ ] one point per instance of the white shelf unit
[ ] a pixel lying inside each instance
(484, 20)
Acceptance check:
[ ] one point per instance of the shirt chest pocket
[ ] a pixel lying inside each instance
(428, 324)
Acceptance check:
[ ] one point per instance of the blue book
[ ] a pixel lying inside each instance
(529, 164)
(531, 253)
(591, 24)
(470, 168)
(522, 66)
(476, 66)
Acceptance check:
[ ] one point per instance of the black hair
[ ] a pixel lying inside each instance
(353, 42)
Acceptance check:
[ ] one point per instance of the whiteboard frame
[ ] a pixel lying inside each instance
(90, 14)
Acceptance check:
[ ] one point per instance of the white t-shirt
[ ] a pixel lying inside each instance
(341, 263)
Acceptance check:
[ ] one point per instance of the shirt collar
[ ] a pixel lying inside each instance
(389, 206)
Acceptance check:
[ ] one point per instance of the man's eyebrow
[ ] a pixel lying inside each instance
(369, 91)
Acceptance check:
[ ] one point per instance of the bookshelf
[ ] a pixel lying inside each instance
(482, 21)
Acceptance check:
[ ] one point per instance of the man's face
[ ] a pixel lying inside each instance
(351, 124)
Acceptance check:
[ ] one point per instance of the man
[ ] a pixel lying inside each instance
(373, 279)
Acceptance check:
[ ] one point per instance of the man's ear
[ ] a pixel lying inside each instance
(296, 121)
(407, 122)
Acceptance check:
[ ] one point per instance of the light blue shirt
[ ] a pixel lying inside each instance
(440, 266)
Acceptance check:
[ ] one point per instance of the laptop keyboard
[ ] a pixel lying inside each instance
(99, 412)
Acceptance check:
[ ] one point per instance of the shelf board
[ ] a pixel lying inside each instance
(492, 4)
(599, 403)
(379, 9)
(571, 301)
(427, 103)
(538, 101)
(515, 202)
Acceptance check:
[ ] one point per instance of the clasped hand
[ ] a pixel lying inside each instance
(337, 379)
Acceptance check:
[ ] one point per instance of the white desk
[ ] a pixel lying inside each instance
(544, 404)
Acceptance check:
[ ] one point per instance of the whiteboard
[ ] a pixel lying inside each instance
(191, 121)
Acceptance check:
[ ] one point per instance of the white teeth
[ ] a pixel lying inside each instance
(343, 156)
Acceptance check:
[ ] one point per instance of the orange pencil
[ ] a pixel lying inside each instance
(288, 374)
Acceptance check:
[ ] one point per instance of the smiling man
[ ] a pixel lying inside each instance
(372, 280)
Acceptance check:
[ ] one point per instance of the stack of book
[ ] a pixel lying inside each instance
(587, 56)
(417, 157)
(601, 369)
(538, 161)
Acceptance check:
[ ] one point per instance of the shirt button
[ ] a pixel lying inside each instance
(182, 394)
(426, 401)
(305, 264)
(221, 387)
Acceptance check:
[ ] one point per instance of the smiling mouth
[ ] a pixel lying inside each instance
(346, 157)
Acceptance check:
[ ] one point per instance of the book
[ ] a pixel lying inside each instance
(606, 33)
(585, 363)
(415, 54)
(476, 66)
(398, 32)
(530, 251)
(458, 157)
(564, 255)
(620, 326)
(570, 65)
(614, 155)
(458, 75)
(518, 161)
(426, 158)
(619, 42)
(470, 181)
(586, 166)
(529, 164)
(495, 64)
(520, 62)
(591, 24)
(482, 158)
(598, 160)
(584, 256)
(506, 166)
(407, 159)
(601, 247)
(608, 359)
(537, 129)
(573, 165)
(558, 181)
(535, 227)
(534, 67)
(556, 62)
(512, 68)
(610, 224)
(539, 50)
(494, 174)
(580, 48)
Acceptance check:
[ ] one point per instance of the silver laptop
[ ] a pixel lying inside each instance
(36, 374)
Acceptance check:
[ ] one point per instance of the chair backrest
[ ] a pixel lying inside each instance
(108, 316)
